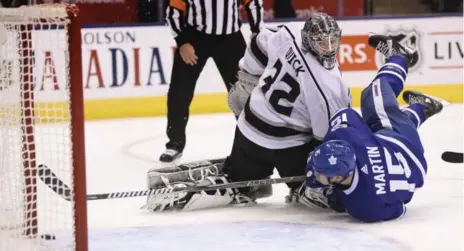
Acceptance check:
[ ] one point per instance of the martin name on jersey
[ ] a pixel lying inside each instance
(296, 95)
(389, 169)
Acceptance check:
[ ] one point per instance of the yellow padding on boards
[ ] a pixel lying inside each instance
(205, 103)
(151, 106)
(452, 92)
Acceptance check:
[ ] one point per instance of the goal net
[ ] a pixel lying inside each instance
(41, 123)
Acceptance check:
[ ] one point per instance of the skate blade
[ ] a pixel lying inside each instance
(442, 101)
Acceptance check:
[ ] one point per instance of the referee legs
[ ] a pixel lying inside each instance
(180, 95)
(226, 54)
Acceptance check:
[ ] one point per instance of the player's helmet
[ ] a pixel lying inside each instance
(334, 158)
(321, 36)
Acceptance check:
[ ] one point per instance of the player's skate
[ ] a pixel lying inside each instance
(432, 105)
(389, 47)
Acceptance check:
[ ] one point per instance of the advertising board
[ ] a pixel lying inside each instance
(126, 70)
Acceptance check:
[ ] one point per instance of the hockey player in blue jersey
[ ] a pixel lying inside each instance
(369, 166)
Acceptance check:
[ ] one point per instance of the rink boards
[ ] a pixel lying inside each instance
(127, 69)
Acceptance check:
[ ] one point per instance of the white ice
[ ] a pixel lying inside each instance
(119, 153)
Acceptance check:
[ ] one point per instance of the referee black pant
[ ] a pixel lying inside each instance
(226, 51)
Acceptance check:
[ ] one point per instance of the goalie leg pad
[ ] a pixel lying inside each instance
(156, 178)
(190, 200)
(210, 199)
(260, 192)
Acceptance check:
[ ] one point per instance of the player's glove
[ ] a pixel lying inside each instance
(321, 197)
(308, 196)
(314, 195)
(335, 202)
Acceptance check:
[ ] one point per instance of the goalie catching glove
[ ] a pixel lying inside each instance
(240, 91)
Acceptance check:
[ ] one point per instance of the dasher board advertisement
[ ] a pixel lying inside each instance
(127, 69)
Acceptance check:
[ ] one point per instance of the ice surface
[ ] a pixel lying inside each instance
(119, 153)
(245, 236)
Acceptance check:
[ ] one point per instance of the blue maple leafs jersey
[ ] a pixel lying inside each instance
(390, 168)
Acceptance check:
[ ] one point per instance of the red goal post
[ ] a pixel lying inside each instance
(41, 126)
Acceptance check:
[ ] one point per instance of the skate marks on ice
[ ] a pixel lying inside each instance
(208, 135)
(128, 149)
(243, 236)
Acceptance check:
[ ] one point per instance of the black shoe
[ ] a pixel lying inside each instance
(389, 47)
(173, 152)
(432, 105)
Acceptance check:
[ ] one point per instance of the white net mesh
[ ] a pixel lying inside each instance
(34, 128)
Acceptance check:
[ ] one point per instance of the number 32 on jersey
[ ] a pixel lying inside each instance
(278, 94)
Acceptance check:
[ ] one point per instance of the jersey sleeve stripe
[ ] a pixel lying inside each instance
(414, 113)
(310, 72)
(354, 184)
(257, 52)
(174, 20)
(379, 106)
(274, 131)
(404, 211)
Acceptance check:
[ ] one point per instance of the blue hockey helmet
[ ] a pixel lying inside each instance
(334, 158)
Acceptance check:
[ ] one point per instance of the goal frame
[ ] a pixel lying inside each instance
(76, 117)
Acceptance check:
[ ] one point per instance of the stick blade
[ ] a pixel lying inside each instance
(50, 179)
(452, 157)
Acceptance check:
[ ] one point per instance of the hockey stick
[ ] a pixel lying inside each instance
(53, 182)
(452, 157)
(59, 187)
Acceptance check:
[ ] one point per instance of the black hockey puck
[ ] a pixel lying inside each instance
(48, 237)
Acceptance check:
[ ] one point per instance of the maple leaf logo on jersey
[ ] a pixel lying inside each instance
(410, 38)
(332, 160)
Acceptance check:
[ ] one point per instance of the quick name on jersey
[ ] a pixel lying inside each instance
(292, 60)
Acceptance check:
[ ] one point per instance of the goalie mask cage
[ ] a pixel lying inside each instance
(41, 122)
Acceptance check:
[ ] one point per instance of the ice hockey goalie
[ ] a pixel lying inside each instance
(289, 86)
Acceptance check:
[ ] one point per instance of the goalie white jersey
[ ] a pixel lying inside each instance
(295, 97)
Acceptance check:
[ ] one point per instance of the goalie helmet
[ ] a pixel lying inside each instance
(321, 37)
